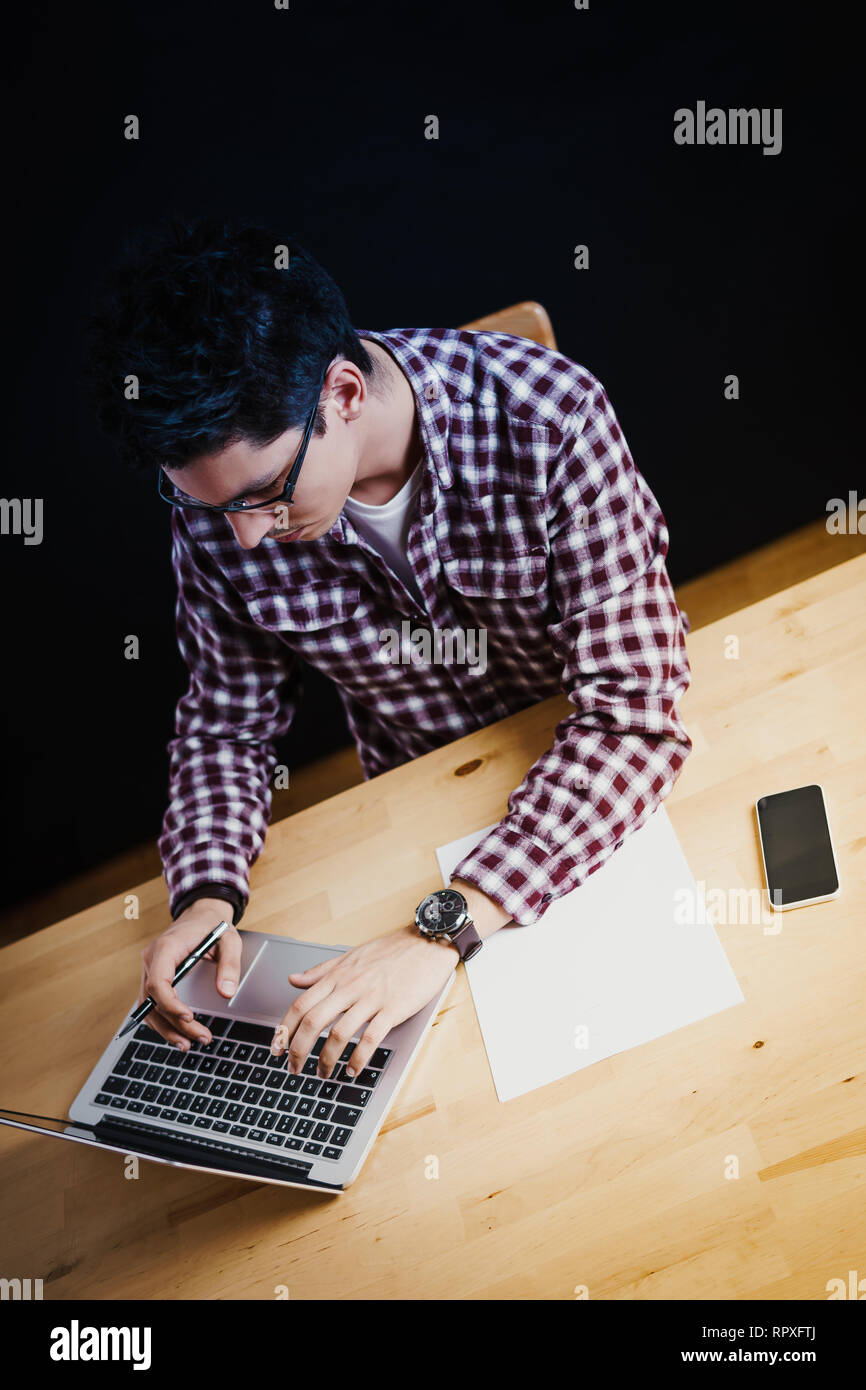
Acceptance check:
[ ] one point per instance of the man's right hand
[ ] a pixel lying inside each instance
(171, 1018)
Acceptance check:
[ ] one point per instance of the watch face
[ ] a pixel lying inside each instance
(440, 912)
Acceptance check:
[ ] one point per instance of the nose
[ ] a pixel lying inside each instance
(250, 527)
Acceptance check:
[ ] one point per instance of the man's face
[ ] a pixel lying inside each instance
(244, 472)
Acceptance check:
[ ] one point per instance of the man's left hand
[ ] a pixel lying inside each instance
(380, 983)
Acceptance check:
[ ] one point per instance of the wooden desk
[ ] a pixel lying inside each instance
(614, 1178)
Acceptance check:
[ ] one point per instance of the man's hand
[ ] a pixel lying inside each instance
(171, 1018)
(380, 983)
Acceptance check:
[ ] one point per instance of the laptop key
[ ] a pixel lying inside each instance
(285, 1124)
(181, 1100)
(322, 1110)
(243, 1052)
(218, 1088)
(328, 1090)
(168, 1114)
(216, 1108)
(161, 1055)
(144, 1052)
(190, 1061)
(103, 1098)
(242, 1072)
(166, 1095)
(286, 1103)
(276, 1061)
(136, 1071)
(239, 1131)
(310, 1086)
(312, 1148)
(331, 1152)
(118, 1103)
(292, 1082)
(150, 1109)
(318, 1045)
(207, 1065)
(224, 1068)
(121, 1067)
(235, 1091)
(310, 1067)
(268, 1119)
(260, 1056)
(136, 1107)
(259, 1135)
(303, 1128)
(202, 1122)
(259, 1076)
(149, 1094)
(368, 1077)
(354, 1095)
(134, 1090)
(343, 1115)
(234, 1113)
(219, 1026)
(220, 1127)
(341, 1136)
(198, 1105)
(379, 1058)
(144, 1034)
(322, 1133)
(270, 1098)
(304, 1106)
(226, 1049)
(253, 1095)
(293, 1143)
(169, 1076)
(275, 1139)
(186, 1119)
(201, 1085)
(251, 1033)
(250, 1116)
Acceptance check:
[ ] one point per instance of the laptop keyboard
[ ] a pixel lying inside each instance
(234, 1087)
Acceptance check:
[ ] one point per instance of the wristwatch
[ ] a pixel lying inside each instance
(444, 915)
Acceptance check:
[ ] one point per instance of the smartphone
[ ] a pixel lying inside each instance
(799, 859)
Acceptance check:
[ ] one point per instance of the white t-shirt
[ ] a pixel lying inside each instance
(386, 528)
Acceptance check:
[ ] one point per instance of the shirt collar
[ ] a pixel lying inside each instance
(432, 402)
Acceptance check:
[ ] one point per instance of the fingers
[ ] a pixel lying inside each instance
(229, 948)
(170, 1017)
(344, 1029)
(309, 1014)
(302, 978)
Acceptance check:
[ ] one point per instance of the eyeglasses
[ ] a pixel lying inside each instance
(169, 493)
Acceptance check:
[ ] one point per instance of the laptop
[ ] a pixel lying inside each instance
(231, 1107)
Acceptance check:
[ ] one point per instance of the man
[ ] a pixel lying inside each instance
(328, 484)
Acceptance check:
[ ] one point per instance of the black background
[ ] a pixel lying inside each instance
(556, 128)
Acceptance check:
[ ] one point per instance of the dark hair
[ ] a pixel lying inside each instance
(225, 345)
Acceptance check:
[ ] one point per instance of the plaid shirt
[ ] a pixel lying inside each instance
(533, 528)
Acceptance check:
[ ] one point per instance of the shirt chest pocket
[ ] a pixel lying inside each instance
(498, 547)
(310, 611)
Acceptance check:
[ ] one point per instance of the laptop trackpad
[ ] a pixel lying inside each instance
(264, 991)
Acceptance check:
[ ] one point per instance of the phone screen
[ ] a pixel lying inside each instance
(798, 852)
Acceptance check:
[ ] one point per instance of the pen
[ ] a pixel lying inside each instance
(143, 1009)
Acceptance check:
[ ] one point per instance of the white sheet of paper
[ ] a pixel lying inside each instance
(612, 957)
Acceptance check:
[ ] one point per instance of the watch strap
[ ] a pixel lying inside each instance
(467, 941)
